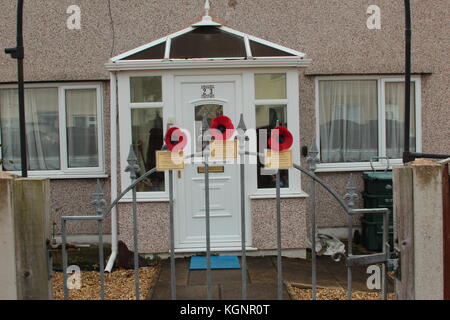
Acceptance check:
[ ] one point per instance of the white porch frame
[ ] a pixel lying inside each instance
(168, 114)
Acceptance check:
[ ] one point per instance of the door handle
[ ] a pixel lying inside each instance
(179, 174)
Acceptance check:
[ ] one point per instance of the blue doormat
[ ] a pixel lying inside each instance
(217, 262)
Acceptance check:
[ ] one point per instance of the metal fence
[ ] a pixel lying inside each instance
(346, 202)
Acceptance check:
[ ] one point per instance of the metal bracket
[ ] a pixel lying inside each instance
(16, 52)
(394, 264)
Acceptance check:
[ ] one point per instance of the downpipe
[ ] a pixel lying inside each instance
(113, 117)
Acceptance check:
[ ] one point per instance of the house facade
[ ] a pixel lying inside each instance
(104, 76)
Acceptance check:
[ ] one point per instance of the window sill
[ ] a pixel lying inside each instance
(145, 200)
(356, 166)
(57, 175)
(288, 195)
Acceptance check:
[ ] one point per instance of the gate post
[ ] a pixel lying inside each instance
(313, 160)
(418, 201)
(134, 169)
(351, 196)
(242, 138)
(24, 230)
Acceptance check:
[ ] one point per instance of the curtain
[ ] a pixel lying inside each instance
(348, 115)
(82, 128)
(42, 129)
(395, 119)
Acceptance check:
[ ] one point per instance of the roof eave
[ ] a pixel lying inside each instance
(263, 62)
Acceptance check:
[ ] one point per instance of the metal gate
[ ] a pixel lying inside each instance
(346, 202)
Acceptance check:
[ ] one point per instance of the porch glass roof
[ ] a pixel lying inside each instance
(208, 42)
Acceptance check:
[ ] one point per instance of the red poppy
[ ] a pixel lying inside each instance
(222, 128)
(280, 139)
(175, 139)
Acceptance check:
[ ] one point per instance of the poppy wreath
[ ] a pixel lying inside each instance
(223, 128)
(280, 139)
(175, 138)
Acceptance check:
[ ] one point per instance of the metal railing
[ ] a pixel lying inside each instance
(347, 203)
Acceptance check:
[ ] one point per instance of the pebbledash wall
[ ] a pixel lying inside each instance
(333, 33)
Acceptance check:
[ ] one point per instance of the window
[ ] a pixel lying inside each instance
(208, 111)
(394, 101)
(147, 129)
(147, 136)
(359, 119)
(82, 128)
(270, 86)
(146, 89)
(62, 130)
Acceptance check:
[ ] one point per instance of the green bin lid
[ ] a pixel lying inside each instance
(372, 175)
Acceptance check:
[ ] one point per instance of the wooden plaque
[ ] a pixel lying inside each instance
(278, 159)
(211, 169)
(224, 149)
(166, 160)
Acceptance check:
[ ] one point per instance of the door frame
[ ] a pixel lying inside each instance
(205, 77)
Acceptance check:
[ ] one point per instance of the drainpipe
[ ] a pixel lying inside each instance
(113, 133)
(406, 153)
(18, 53)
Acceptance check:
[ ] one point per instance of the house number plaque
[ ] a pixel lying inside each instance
(208, 91)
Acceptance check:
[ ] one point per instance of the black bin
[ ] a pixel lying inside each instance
(377, 194)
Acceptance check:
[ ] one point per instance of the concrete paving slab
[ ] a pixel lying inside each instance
(256, 291)
(162, 292)
(181, 272)
(198, 277)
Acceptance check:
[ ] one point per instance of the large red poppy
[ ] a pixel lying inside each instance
(222, 128)
(280, 139)
(175, 139)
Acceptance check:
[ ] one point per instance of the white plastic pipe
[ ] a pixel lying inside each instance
(113, 133)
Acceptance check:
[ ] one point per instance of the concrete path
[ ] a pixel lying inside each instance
(262, 279)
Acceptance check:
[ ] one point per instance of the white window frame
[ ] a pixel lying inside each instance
(125, 107)
(292, 103)
(380, 164)
(65, 172)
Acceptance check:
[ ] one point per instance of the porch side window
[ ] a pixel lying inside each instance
(62, 130)
(271, 107)
(147, 128)
(352, 119)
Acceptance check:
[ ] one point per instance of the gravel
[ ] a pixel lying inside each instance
(119, 285)
(333, 294)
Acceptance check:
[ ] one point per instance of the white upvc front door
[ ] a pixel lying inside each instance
(198, 97)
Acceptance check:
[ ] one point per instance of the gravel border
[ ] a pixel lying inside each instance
(304, 292)
(119, 284)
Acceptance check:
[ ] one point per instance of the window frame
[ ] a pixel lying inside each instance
(125, 129)
(381, 163)
(292, 103)
(65, 172)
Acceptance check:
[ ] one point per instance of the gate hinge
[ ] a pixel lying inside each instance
(393, 264)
